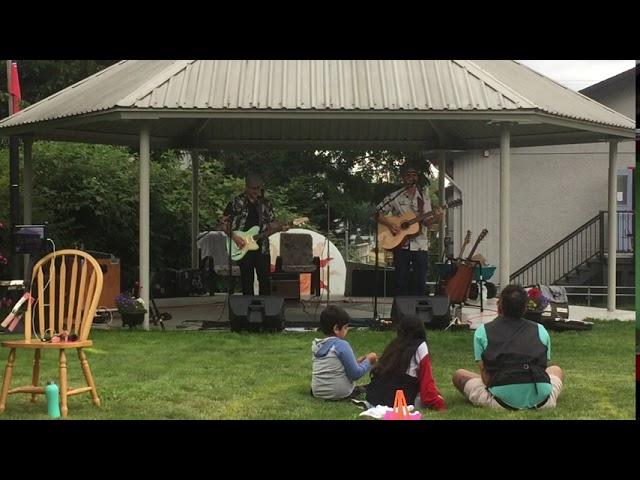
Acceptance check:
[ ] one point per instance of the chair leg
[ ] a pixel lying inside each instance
(315, 277)
(36, 372)
(6, 381)
(63, 383)
(87, 375)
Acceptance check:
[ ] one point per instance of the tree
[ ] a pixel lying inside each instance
(346, 185)
(41, 78)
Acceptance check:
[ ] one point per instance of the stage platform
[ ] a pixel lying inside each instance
(210, 312)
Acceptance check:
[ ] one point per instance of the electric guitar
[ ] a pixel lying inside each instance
(457, 287)
(409, 224)
(252, 236)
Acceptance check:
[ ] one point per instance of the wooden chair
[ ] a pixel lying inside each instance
(67, 285)
(296, 256)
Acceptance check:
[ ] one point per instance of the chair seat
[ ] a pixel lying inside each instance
(46, 345)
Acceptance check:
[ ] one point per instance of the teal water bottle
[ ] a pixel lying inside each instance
(53, 399)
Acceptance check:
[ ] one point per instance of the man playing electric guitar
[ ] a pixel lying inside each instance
(414, 250)
(247, 210)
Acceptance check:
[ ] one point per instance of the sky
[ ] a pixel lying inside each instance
(579, 74)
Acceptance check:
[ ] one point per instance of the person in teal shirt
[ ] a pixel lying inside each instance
(512, 355)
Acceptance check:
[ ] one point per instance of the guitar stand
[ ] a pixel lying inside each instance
(480, 284)
(155, 316)
(456, 322)
(456, 317)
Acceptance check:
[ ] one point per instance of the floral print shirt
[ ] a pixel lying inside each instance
(404, 203)
(238, 208)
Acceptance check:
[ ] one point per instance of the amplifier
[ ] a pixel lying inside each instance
(164, 284)
(111, 281)
(363, 283)
(286, 285)
(193, 282)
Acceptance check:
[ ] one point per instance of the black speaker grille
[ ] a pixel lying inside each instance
(256, 312)
(434, 311)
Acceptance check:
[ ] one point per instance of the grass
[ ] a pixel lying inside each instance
(223, 375)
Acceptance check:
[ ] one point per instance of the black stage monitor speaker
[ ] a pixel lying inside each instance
(434, 311)
(256, 313)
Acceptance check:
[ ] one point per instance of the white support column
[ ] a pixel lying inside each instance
(613, 227)
(195, 209)
(27, 184)
(145, 160)
(442, 164)
(505, 205)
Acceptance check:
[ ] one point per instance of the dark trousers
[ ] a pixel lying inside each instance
(259, 262)
(410, 282)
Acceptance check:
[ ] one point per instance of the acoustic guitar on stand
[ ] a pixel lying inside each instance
(457, 286)
(409, 224)
(252, 236)
(467, 241)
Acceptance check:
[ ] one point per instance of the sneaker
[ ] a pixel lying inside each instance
(363, 404)
(358, 391)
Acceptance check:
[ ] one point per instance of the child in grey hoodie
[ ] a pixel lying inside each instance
(335, 367)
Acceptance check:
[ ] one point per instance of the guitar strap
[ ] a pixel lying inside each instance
(420, 207)
(260, 220)
(259, 207)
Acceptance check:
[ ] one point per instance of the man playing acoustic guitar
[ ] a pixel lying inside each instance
(413, 251)
(247, 210)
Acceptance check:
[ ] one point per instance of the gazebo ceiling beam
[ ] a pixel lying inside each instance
(317, 144)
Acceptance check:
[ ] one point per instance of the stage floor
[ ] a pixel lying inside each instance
(192, 313)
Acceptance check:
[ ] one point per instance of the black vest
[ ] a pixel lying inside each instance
(514, 352)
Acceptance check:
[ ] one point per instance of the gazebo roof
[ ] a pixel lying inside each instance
(454, 104)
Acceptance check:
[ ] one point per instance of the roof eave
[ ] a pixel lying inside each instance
(46, 129)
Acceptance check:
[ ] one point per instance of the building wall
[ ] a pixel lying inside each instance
(615, 94)
(554, 190)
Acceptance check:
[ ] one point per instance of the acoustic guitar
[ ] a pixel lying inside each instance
(454, 264)
(457, 288)
(252, 236)
(467, 241)
(409, 224)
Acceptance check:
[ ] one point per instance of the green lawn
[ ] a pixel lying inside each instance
(223, 375)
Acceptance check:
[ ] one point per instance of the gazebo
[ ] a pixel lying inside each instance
(436, 105)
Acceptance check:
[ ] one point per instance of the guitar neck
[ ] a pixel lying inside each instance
(464, 245)
(423, 216)
(268, 233)
(475, 245)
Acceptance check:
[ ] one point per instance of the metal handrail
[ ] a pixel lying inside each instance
(570, 253)
(555, 247)
(590, 294)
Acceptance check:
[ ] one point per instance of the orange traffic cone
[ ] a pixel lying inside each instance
(400, 410)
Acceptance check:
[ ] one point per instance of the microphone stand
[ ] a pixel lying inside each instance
(229, 276)
(328, 247)
(376, 317)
